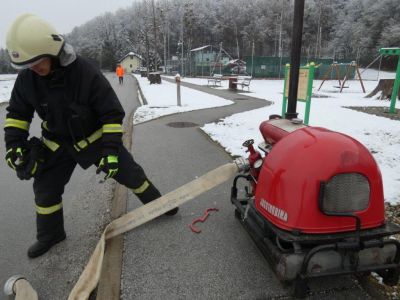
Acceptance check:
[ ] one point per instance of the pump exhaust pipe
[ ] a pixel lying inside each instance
(88, 280)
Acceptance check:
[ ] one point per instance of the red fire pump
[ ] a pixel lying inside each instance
(314, 205)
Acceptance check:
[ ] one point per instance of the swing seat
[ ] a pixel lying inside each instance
(345, 87)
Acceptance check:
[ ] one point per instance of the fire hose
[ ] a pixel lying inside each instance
(90, 276)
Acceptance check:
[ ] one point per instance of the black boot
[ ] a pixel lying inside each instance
(41, 247)
(50, 231)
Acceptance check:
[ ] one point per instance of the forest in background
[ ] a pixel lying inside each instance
(156, 30)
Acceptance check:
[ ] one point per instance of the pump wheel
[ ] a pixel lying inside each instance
(238, 214)
(391, 277)
(300, 288)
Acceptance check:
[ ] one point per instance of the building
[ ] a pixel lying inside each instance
(207, 60)
(131, 62)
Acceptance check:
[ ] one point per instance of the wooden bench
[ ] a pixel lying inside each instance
(244, 82)
(216, 79)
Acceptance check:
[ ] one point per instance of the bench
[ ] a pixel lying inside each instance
(244, 82)
(216, 79)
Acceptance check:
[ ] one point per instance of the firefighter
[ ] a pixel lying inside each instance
(120, 74)
(81, 124)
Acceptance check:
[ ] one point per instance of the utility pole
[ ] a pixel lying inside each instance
(280, 40)
(318, 31)
(280, 31)
(297, 31)
(276, 35)
(237, 42)
(180, 43)
(252, 59)
(155, 37)
(219, 55)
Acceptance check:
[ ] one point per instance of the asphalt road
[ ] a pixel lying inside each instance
(164, 259)
(86, 211)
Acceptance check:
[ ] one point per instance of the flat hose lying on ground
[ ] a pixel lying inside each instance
(90, 276)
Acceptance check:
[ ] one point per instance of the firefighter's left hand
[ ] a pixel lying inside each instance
(30, 169)
(109, 165)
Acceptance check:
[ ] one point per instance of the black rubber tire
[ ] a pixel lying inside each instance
(238, 214)
(300, 288)
(391, 277)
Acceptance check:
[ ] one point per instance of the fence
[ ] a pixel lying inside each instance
(264, 66)
(274, 67)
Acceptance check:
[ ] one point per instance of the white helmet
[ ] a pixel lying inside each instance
(29, 39)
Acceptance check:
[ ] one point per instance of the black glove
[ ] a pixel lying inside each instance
(109, 165)
(16, 157)
(34, 160)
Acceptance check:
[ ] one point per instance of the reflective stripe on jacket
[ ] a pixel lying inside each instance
(74, 102)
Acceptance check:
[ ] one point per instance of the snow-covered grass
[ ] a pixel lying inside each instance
(162, 100)
(379, 135)
(6, 85)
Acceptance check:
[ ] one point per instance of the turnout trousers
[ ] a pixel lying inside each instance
(49, 185)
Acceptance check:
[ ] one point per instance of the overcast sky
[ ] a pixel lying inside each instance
(64, 15)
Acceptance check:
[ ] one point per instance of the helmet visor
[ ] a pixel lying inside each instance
(27, 65)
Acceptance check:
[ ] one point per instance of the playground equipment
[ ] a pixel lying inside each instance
(335, 68)
(396, 85)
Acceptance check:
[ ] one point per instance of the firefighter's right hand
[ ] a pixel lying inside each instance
(33, 160)
(15, 157)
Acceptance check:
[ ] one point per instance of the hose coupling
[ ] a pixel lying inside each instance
(9, 285)
(242, 164)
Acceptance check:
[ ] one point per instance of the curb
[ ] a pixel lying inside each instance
(142, 98)
(109, 287)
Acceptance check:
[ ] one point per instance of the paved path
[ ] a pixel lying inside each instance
(164, 259)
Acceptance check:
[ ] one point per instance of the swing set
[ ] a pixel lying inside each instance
(334, 69)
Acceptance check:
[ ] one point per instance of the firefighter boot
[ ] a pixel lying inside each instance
(150, 193)
(50, 231)
(39, 248)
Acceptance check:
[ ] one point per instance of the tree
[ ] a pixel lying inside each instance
(5, 66)
(332, 28)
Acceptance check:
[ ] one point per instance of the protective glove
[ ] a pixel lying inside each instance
(33, 160)
(28, 170)
(15, 157)
(109, 165)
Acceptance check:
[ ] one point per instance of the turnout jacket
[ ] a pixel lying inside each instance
(79, 109)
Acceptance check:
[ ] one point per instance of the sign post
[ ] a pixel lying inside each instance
(304, 90)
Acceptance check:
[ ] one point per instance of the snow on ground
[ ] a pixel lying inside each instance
(371, 74)
(6, 85)
(162, 100)
(380, 135)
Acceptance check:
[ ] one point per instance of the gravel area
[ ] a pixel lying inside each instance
(381, 111)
